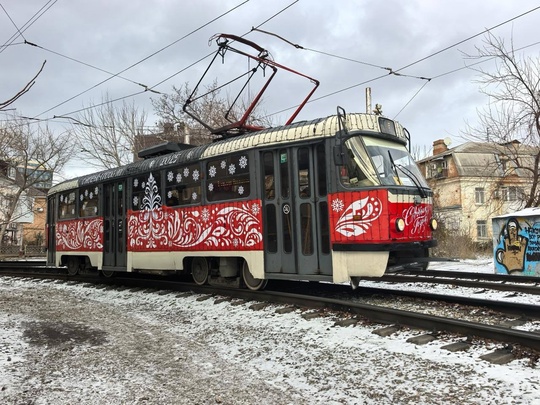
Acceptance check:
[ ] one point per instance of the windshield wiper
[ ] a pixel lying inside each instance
(409, 174)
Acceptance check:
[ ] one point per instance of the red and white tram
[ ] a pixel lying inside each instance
(334, 199)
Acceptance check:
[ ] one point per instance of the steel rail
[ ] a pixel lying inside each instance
(503, 286)
(505, 278)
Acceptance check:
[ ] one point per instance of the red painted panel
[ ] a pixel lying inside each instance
(225, 226)
(366, 217)
(80, 234)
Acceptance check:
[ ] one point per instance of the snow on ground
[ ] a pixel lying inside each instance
(71, 343)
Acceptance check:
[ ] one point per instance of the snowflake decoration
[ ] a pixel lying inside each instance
(169, 194)
(135, 183)
(205, 215)
(337, 205)
(232, 169)
(195, 175)
(243, 162)
(170, 176)
(255, 209)
(86, 193)
(143, 184)
(241, 190)
(236, 242)
(91, 195)
(82, 197)
(223, 164)
(186, 172)
(211, 187)
(96, 190)
(212, 171)
(178, 178)
(194, 196)
(135, 201)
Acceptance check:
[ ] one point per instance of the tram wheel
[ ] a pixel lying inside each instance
(200, 270)
(107, 273)
(251, 282)
(73, 266)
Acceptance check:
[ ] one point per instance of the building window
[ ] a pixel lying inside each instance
(438, 169)
(11, 172)
(479, 195)
(481, 229)
(511, 193)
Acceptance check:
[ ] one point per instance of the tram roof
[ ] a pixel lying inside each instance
(296, 132)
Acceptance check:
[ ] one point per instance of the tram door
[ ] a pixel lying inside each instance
(296, 236)
(51, 231)
(114, 224)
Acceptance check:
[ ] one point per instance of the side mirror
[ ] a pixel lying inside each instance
(338, 155)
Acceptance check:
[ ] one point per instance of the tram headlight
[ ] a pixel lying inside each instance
(399, 224)
(433, 224)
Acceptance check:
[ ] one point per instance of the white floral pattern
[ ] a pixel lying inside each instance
(80, 235)
(368, 209)
(219, 227)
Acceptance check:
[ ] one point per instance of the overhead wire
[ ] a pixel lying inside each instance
(396, 72)
(84, 63)
(211, 53)
(28, 24)
(145, 58)
(13, 22)
(151, 88)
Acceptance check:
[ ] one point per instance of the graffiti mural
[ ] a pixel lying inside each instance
(517, 247)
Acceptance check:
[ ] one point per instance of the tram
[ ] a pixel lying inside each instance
(333, 199)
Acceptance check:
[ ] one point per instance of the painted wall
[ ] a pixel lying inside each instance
(516, 245)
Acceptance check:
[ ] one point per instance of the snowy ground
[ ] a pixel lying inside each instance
(68, 344)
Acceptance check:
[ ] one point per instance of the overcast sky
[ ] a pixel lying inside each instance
(114, 35)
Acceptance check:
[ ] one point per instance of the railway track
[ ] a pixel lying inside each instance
(526, 285)
(351, 310)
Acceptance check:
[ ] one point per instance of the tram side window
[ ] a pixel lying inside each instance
(269, 183)
(228, 178)
(89, 201)
(183, 185)
(67, 206)
(303, 173)
(146, 191)
(320, 167)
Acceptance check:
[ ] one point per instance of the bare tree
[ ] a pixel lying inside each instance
(105, 133)
(23, 91)
(511, 121)
(29, 156)
(211, 108)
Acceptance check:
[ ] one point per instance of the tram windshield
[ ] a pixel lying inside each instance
(372, 161)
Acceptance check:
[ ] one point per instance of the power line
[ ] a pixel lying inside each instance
(414, 63)
(151, 88)
(145, 58)
(13, 22)
(83, 63)
(28, 24)
(469, 38)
